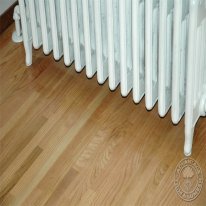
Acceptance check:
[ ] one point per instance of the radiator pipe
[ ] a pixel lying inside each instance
(17, 34)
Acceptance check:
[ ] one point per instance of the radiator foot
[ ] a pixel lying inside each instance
(188, 150)
(16, 38)
(189, 134)
(203, 106)
(28, 60)
(187, 154)
(28, 51)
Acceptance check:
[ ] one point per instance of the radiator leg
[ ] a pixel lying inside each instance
(17, 35)
(28, 51)
(203, 106)
(189, 133)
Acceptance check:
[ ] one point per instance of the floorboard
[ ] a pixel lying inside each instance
(66, 140)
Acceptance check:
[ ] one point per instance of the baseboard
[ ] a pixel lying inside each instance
(6, 19)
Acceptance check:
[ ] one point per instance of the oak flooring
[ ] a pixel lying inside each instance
(65, 140)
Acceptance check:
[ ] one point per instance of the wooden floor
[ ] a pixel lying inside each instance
(65, 140)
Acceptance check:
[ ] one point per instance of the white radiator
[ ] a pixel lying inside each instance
(156, 48)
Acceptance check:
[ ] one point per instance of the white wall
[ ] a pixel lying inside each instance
(5, 4)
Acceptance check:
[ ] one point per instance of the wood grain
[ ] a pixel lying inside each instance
(65, 140)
